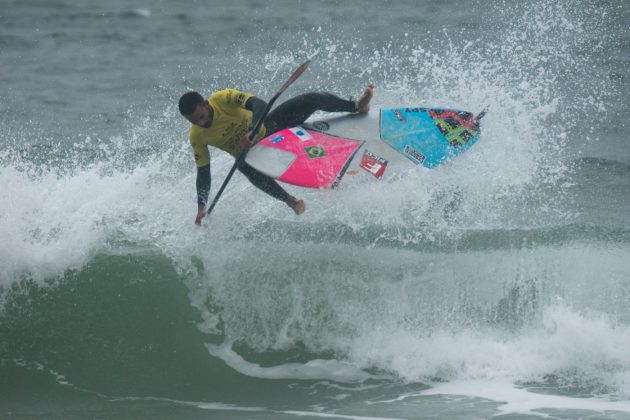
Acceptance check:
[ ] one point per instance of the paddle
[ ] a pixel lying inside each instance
(297, 73)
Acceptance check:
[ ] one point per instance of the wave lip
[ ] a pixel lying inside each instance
(313, 369)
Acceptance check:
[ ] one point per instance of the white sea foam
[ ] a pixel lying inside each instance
(313, 369)
(514, 400)
(141, 12)
(218, 406)
(573, 347)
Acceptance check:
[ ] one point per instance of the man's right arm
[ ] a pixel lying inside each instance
(203, 184)
(202, 162)
(203, 189)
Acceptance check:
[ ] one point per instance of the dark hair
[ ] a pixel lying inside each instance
(189, 102)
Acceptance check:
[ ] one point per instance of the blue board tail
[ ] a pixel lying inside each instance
(429, 137)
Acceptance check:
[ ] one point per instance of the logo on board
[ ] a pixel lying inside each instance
(301, 133)
(373, 164)
(275, 139)
(399, 115)
(414, 154)
(321, 125)
(315, 152)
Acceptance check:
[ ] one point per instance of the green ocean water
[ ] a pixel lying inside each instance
(495, 286)
(119, 338)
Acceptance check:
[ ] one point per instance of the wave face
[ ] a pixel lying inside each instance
(502, 277)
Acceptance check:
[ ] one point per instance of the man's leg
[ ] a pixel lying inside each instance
(271, 187)
(297, 110)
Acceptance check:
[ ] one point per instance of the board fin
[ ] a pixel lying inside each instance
(479, 117)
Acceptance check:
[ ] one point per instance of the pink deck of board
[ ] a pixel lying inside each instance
(321, 159)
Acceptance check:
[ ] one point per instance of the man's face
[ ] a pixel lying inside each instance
(202, 116)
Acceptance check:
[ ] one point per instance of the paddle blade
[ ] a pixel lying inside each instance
(297, 73)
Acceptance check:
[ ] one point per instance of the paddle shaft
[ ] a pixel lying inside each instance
(297, 73)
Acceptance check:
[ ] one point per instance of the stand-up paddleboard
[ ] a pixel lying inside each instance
(318, 154)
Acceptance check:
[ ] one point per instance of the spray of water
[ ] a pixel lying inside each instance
(359, 276)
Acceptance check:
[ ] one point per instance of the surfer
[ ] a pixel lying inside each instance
(226, 119)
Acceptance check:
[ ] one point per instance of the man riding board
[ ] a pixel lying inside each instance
(226, 119)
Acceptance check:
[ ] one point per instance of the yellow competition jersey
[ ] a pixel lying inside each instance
(229, 124)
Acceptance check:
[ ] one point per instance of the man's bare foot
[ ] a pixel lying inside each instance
(298, 206)
(363, 106)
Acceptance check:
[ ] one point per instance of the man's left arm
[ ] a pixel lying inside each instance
(257, 106)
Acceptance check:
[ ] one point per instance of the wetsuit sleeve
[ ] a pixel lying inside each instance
(203, 184)
(257, 106)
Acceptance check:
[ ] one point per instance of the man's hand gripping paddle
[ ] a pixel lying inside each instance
(297, 73)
